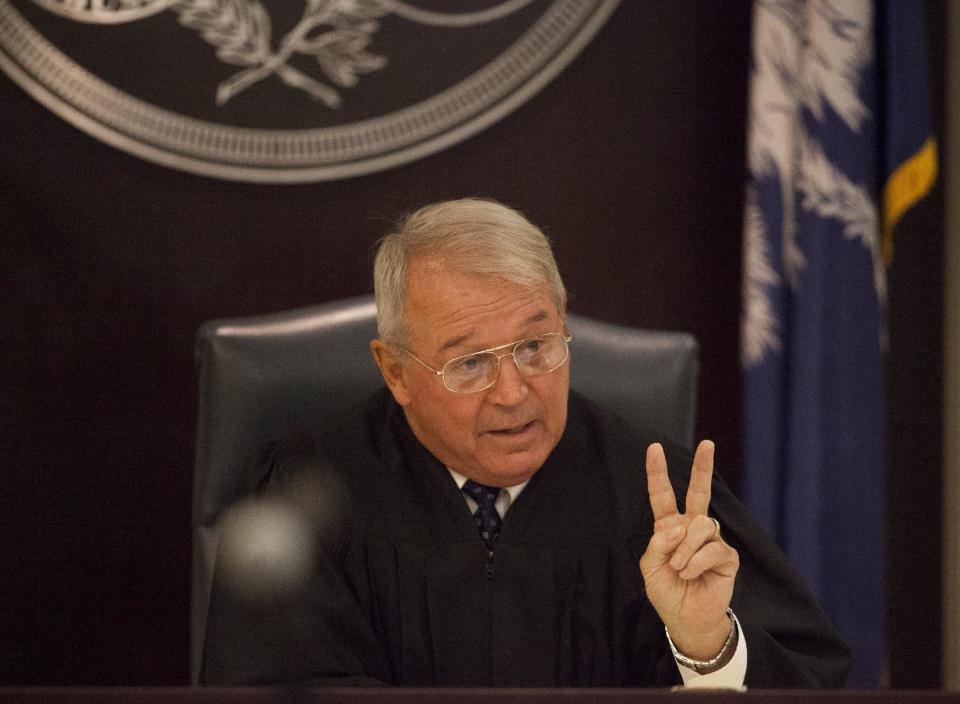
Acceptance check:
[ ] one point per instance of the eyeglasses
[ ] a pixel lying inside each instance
(479, 370)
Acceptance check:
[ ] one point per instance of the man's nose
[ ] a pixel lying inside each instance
(510, 388)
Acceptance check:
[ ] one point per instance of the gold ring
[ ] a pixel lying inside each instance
(716, 525)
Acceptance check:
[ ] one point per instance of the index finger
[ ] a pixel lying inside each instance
(698, 491)
(662, 499)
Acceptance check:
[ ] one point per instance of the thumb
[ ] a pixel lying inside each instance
(661, 547)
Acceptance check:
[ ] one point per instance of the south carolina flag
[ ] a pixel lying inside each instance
(838, 116)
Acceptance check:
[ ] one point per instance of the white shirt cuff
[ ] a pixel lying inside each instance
(730, 676)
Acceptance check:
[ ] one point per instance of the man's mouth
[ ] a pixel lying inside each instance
(513, 430)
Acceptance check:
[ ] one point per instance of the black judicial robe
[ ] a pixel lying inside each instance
(405, 592)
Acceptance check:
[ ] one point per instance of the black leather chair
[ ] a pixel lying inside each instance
(263, 375)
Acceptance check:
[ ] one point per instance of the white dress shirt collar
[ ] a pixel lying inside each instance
(505, 498)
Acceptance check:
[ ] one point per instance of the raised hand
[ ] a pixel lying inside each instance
(687, 568)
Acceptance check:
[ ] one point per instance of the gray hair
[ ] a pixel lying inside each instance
(474, 236)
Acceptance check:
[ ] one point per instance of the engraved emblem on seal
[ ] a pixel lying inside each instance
(289, 90)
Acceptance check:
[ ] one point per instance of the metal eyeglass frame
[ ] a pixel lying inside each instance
(513, 348)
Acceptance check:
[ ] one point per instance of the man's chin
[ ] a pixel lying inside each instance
(510, 469)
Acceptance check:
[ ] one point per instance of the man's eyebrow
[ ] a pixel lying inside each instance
(456, 341)
(461, 339)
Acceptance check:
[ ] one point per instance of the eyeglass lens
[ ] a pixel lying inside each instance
(474, 372)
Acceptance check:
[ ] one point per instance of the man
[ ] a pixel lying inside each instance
(493, 528)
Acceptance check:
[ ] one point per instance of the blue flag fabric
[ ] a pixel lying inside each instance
(909, 148)
(813, 335)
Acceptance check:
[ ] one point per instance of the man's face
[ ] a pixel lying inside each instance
(503, 434)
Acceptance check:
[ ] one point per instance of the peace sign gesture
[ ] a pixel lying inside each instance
(687, 568)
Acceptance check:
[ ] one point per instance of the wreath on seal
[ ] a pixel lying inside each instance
(336, 33)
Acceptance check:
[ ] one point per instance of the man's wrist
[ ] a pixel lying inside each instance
(703, 667)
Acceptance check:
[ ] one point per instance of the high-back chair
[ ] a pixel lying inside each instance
(263, 375)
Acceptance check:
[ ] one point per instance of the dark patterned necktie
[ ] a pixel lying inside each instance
(486, 516)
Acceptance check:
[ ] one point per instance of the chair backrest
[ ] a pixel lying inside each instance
(260, 376)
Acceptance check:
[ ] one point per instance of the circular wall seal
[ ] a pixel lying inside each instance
(262, 91)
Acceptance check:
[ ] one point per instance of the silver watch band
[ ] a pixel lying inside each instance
(704, 667)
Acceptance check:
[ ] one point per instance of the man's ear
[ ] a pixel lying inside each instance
(394, 373)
